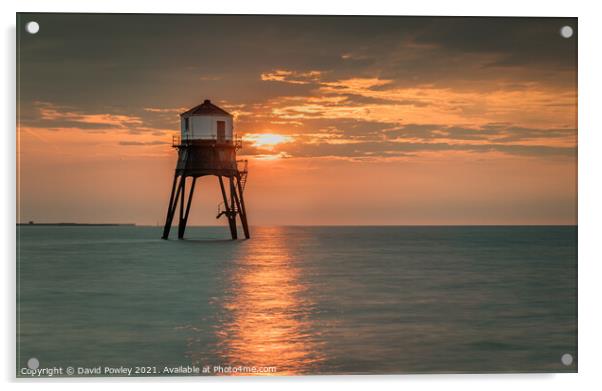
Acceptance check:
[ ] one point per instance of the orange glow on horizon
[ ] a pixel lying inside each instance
(267, 140)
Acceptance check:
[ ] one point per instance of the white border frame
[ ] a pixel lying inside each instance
(590, 188)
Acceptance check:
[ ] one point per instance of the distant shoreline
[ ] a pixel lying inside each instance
(79, 224)
(305, 225)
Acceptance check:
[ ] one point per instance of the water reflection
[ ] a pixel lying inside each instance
(264, 317)
(267, 322)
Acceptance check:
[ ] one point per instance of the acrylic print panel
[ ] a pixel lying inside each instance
(289, 195)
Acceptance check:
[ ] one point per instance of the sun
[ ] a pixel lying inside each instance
(267, 140)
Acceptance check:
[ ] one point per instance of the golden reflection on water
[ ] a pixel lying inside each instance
(267, 311)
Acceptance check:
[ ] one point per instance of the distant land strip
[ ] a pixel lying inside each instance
(81, 224)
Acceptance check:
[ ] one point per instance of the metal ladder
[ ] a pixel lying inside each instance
(243, 171)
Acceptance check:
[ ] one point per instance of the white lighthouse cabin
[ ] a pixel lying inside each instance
(207, 122)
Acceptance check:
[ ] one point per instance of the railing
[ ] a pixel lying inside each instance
(242, 165)
(178, 141)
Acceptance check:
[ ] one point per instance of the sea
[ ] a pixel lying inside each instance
(99, 300)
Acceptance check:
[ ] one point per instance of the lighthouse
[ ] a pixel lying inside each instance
(207, 145)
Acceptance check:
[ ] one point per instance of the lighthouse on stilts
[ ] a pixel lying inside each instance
(207, 146)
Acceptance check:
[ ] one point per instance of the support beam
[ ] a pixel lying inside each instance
(182, 206)
(233, 209)
(231, 223)
(242, 210)
(184, 218)
(236, 200)
(190, 198)
(173, 199)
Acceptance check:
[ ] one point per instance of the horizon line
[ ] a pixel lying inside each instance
(310, 225)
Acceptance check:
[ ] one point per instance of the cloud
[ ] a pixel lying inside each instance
(378, 100)
(355, 86)
(61, 116)
(352, 86)
(494, 133)
(172, 110)
(46, 115)
(210, 78)
(388, 149)
(292, 77)
(142, 143)
(353, 139)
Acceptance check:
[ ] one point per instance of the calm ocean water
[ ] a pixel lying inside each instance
(306, 300)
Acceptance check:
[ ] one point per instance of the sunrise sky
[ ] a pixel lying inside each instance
(345, 120)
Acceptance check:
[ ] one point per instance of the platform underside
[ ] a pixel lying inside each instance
(207, 159)
(231, 182)
(195, 173)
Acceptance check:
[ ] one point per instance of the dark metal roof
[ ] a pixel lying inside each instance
(205, 108)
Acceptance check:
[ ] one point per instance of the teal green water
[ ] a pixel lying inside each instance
(305, 300)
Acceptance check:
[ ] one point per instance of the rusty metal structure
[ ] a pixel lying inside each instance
(207, 146)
